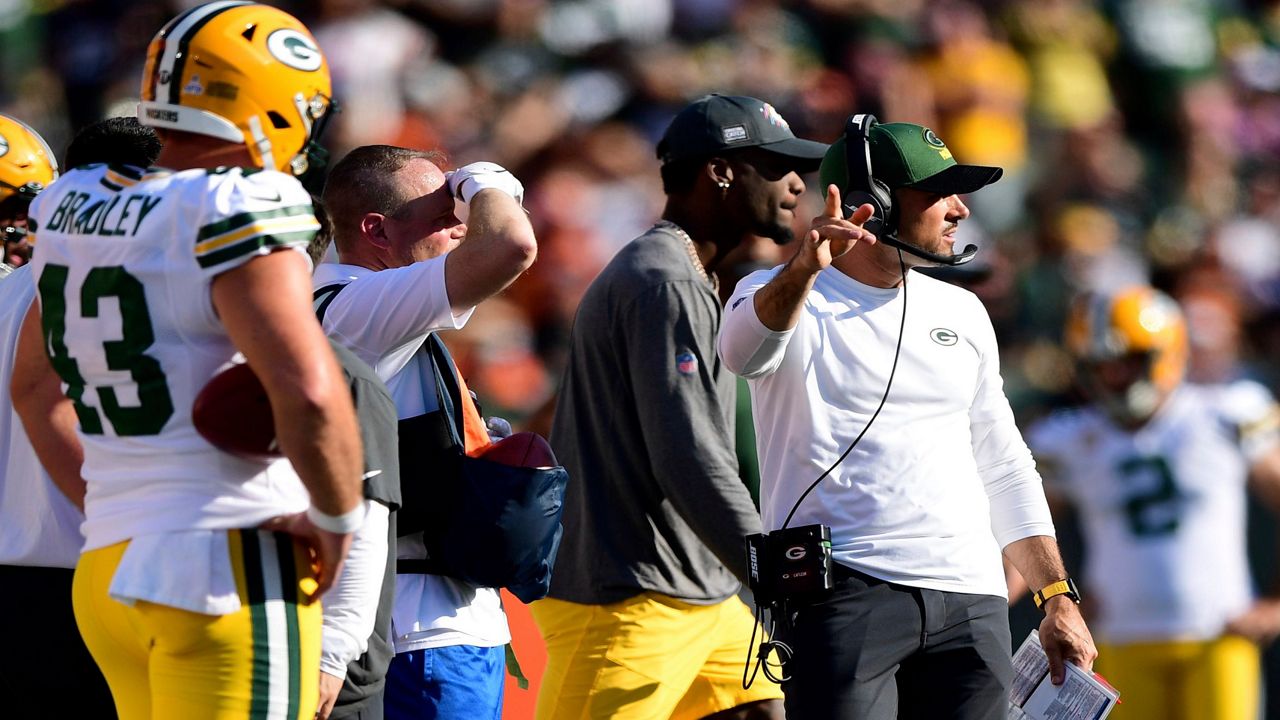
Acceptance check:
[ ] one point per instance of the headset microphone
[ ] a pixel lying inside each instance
(864, 189)
(957, 259)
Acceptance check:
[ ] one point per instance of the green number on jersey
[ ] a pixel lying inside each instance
(126, 354)
(1154, 507)
(52, 286)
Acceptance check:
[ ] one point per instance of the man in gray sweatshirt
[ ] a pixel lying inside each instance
(643, 617)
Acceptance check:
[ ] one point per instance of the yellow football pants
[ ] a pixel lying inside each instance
(650, 656)
(262, 661)
(1216, 679)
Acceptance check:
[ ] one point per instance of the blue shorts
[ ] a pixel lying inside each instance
(459, 682)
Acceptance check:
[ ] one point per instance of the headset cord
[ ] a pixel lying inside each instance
(782, 649)
(755, 626)
(897, 353)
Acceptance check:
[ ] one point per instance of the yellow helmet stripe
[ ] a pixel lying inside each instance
(177, 39)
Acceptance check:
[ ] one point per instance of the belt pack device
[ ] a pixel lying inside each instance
(789, 562)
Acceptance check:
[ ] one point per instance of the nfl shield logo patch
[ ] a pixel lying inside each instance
(687, 363)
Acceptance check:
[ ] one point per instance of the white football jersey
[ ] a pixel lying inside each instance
(124, 262)
(38, 524)
(1163, 508)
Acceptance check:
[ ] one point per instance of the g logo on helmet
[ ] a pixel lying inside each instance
(4, 146)
(295, 49)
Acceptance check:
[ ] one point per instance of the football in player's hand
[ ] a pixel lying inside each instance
(523, 449)
(233, 413)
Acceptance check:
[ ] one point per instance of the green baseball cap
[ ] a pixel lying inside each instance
(907, 155)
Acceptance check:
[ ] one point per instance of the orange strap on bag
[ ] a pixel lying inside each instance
(475, 438)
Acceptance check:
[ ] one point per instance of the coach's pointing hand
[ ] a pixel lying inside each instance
(831, 234)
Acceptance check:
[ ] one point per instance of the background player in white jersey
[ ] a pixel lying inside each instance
(148, 282)
(1157, 470)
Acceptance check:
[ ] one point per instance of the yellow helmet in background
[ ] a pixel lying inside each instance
(243, 73)
(27, 165)
(1138, 325)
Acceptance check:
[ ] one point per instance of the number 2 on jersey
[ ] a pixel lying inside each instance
(1154, 505)
(127, 354)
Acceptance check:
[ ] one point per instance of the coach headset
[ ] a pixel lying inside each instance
(864, 189)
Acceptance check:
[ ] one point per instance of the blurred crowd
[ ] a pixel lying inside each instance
(1140, 138)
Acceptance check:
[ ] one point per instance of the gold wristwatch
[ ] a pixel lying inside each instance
(1062, 587)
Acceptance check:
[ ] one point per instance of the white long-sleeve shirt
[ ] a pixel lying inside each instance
(350, 605)
(941, 481)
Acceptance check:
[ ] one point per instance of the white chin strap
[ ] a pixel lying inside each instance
(261, 142)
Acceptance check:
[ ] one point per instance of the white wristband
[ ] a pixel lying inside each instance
(468, 180)
(343, 524)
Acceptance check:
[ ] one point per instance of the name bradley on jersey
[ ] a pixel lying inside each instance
(105, 217)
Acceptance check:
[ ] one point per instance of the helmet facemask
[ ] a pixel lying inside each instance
(1123, 386)
(311, 165)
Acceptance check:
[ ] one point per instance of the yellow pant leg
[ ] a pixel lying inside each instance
(261, 661)
(118, 645)
(650, 657)
(1223, 679)
(1182, 680)
(563, 627)
(1145, 674)
(718, 686)
(631, 660)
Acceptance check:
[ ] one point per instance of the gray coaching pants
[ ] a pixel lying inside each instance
(875, 650)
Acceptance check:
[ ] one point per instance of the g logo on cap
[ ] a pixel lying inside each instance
(295, 50)
(933, 139)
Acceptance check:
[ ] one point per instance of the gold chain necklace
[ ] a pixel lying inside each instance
(693, 253)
